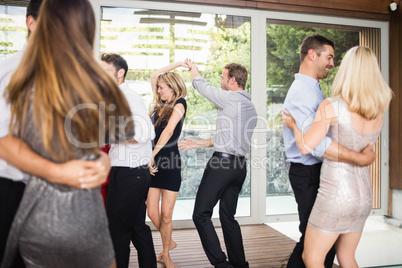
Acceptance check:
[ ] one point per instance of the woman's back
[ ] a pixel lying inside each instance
(350, 129)
(58, 96)
(365, 126)
(344, 198)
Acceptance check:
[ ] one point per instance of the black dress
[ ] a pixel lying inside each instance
(168, 159)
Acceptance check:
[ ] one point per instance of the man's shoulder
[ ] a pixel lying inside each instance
(129, 92)
(299, 89)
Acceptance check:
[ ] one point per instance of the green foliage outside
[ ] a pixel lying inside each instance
(228, 45)
(233, 45)
(283, 61)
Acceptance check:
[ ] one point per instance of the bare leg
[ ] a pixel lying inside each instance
(316, 246)
(153, 206)
(345, 248)
(154, 213)
(166, 226)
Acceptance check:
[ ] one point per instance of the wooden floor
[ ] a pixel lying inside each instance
(264, 246)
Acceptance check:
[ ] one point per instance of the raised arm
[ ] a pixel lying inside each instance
(220, 98)
(166, 69)
(193, 68)
(190, 144)
(76, 173)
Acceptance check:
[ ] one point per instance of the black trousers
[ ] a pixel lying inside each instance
(10, 197)
(305, 181)
(126, 208)
(222, 181)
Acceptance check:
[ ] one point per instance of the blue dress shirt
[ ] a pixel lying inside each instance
(302, 101)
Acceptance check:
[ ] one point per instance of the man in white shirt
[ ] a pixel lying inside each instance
(16, 157)
(130, 178)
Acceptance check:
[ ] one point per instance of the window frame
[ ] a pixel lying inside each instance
(258, 82)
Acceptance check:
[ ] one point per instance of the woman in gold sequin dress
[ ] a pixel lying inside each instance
(352, 117)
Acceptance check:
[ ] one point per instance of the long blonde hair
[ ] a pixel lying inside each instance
(359, 82)
(58, 72)
(176, 83)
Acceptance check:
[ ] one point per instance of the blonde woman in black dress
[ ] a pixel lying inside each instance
(167, 115)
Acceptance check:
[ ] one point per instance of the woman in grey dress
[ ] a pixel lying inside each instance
(353, 117)
(62, 104)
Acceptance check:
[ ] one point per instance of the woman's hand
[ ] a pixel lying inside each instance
(288, 120)
(187, 144)
(191, 64)
(152, 168)
(184, 64)
(84, 174)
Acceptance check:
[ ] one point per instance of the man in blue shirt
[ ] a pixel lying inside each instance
(302, 101)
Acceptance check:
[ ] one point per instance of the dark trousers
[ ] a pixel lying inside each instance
(126, 208)
(222, 180)
(10, 197)
(305, 181)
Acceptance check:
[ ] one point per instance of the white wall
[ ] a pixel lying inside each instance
(397, 204)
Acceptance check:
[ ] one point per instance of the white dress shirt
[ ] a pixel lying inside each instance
(138, 154)
(6, 71)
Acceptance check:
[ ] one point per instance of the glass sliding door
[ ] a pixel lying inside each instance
(13, 30)
(283, 42)
(152, 34)
(150, 39)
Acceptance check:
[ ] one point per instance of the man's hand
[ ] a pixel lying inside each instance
(83, 174)
(368, 155)
(192, 67)
(187, 144)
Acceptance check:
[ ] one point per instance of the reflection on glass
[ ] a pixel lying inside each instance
(151, 39)
(283, 61)
(13, 30)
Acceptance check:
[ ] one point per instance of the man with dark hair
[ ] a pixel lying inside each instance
(32, 14)
(114, 64)
(302, 101)
(239, 72)
(226, 171)
(20, 158)
(130, 178)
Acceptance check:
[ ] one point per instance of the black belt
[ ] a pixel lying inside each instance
(230, 156)
(142, 167)
(303, 165)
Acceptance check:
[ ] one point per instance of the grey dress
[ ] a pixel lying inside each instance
(56, 225)
(344, 199)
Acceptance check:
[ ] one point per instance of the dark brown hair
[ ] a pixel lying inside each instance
(118, 61)
(315, 42)
(239, 72)
(33, 8)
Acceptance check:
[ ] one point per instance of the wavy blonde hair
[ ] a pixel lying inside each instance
(360, 84)
(173, 81)
(58, 72)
